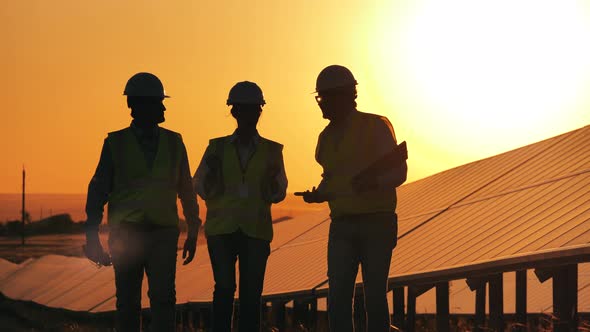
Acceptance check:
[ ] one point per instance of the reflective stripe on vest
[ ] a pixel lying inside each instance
(241, 206)
(344, 157)
(140, 194)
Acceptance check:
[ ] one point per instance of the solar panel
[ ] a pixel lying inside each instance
(526, 201)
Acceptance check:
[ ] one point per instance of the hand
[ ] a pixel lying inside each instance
(93, 250)
(313, 196)
(190, 246)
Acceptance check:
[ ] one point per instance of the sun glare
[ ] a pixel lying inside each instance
(493, 66)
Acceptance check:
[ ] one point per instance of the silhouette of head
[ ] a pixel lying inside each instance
(247, 115)
(336, 92)
(246, 99)
(147, 111)
(145, 97)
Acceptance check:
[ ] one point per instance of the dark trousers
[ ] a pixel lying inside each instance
(135, 250)
(253, 253)
(367, 240)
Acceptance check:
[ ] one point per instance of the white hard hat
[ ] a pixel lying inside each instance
(245, 93)
(144, 85)
(333, 77)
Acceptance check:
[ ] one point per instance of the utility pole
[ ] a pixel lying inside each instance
(23, 210)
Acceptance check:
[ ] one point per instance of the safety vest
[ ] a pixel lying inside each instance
(343, 155)
(140, 194)
(242, 206)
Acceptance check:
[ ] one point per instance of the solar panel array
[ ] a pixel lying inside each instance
(540, 201)
(521, 202)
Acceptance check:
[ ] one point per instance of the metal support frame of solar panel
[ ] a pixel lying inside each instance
(570, 139)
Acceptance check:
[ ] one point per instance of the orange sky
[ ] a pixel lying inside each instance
(459, 80)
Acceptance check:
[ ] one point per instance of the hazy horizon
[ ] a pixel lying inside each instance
(42, 205)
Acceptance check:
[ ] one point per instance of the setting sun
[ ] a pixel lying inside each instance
(459, 80)
(482, 75)
(446, 151)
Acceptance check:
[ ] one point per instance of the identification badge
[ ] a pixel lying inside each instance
(243, 190)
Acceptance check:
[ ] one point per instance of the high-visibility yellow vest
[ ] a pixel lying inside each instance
(242, 206)
(141, 195)
(343, 155)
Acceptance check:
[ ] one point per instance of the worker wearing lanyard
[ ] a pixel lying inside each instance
(239, 177)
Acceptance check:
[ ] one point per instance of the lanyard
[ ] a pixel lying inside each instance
(244, 168)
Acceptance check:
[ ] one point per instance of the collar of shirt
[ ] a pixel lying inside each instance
(253, 142)
(347, 119)
(343, 125)
(143, 132)
(245, 152)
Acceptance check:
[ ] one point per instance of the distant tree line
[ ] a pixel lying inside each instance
(56, 224)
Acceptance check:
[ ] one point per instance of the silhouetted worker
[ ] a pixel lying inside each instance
(239, 177)
(142, 170)
(362, 167)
